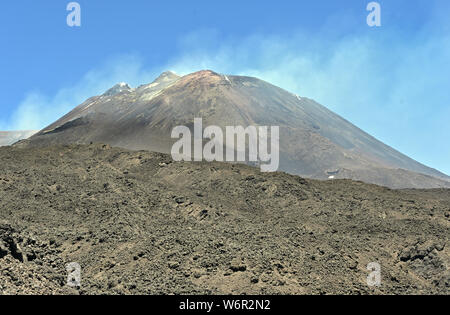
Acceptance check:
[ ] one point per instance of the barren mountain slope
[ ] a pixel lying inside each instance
(138, 223)
(10, 137)
(314, 142)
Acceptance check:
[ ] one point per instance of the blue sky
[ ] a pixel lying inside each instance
(392, 81)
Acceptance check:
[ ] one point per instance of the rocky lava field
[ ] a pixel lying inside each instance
(138, 223)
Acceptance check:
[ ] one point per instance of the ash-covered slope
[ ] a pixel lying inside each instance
(10, 137)
(314, 142)
(138, 223)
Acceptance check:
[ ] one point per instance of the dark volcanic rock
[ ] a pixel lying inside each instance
(190, 228)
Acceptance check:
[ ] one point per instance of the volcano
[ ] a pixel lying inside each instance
(314, 141)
